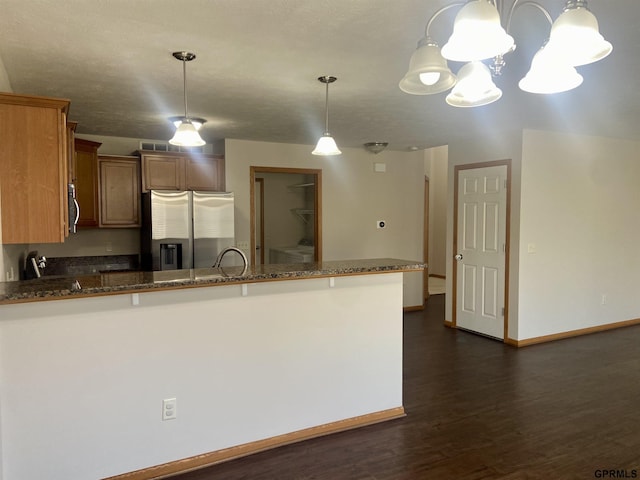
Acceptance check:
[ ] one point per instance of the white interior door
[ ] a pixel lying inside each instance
(481, 245)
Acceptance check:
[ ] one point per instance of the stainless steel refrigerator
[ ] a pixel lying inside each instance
(185, 229)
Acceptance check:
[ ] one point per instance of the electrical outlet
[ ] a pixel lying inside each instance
(9, 275)
(109, 247)
(169, 409)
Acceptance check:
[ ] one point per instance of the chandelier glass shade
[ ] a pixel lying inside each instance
(480, 38)
(576, 36)
(475, 87)
(549, 73)
(428, 71)
(477, 34)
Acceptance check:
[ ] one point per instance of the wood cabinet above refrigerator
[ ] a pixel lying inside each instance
(182, 171)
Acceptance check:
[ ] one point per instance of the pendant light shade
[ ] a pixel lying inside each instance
(326, 144)
(550, 73)
(575, 35)
(187, 135)
(428, 71)
(477, 34)
(474, 88)
(186, 131)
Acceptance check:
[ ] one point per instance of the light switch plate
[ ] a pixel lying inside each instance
(169, 409)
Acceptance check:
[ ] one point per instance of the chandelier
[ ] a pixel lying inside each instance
(480, 40)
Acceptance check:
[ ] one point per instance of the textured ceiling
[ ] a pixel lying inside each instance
(257, 63)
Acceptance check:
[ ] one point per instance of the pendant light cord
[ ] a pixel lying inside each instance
(184, 77)
(326, 109)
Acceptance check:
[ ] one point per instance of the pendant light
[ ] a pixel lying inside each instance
(186, 132)
(326, 144)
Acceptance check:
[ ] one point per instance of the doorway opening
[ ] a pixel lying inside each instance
(285, 215)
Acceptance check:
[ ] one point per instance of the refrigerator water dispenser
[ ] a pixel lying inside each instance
(170, 256)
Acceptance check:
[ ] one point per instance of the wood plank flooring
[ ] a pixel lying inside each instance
(478, 409)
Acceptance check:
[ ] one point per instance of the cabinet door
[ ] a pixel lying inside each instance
(162, 173)
(119, 192)
(86, 171)
(71, 151)
(32, 169)
(205, 173)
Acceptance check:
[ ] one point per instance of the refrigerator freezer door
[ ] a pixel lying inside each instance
(171, 229)
(213, 228)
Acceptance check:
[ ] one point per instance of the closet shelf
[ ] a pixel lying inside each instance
(303, 213)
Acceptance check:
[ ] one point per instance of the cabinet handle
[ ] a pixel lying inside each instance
(75, 222)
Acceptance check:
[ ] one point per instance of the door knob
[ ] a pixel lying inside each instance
(458, 256)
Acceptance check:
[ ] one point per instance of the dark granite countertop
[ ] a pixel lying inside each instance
(58, 287)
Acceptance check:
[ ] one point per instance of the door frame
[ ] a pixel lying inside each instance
(425, 243)
(317, 207)
(454, 271)
(260, 181)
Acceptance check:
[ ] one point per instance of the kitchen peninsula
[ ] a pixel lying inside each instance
(254, 359)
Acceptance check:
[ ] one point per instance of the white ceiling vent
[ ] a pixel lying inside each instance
(167, 147)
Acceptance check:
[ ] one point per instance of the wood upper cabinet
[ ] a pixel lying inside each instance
(86, 181)
(182, 171)
(160, 172)
(33, 169)
(119, 191)
(205, 173)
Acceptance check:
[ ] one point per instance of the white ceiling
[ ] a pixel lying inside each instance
(258, 60)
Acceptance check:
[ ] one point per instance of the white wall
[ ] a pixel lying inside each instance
(580, 208)
(438, 160)
(353, 198)
(83, 379)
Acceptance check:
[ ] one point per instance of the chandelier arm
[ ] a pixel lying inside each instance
(438, 12)
(517, 5)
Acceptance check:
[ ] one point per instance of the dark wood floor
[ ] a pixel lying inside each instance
(477, 409)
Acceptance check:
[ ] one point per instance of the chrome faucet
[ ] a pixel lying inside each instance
(231, 249)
